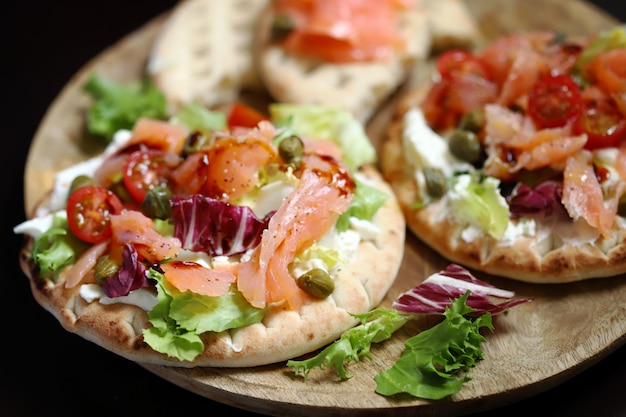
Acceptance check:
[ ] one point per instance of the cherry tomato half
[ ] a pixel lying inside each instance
(604, 125)
(89, 211)
(241, 115)
(554, 101)
(144, 170)
(460, 61)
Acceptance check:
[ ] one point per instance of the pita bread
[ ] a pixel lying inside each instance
(544, 257)
(283, 334)
(204, 52)
(359, 87)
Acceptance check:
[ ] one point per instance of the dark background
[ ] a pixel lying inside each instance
(46, 371)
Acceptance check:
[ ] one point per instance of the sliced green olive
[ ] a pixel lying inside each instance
(81, 181)
(156, 204)
(465, 145)
(105, 268)
(473, 121)
(435, 179)
(316, 283)
(291, 150)
(282, 26)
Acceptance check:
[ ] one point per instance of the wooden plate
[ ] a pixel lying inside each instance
(566, 329)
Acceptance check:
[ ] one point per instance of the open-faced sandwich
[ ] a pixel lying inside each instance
(512, 159)
(209, 238)
(352, 54)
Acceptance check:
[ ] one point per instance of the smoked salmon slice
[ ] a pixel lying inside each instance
(306, 215)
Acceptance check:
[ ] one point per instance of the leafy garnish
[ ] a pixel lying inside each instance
(433, 359)
(433, 295)
(55, 249)
(118, 106)
(216, 227)
(199, 118)
(365, 204)
(430, 365)
(330, 123)
(179, 318)
(376, 325)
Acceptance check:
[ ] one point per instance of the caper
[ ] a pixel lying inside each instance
(435, 181)
(156, 203)
(465, 145)
(105, 268)
(81, 181)
(282, 26)
(473, 121)
(316, 282)
(291, 150)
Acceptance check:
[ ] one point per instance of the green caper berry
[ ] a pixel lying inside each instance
(465, 145)
(473, 121)
(316, 283)
(105, 268)
(282, 26)
(81, 181)
(156, 204)
(291, 150)
(435, 182)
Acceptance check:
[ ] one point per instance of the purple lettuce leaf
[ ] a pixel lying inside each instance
(130, 276)
(204, 224)
(544, 198)
(438, 291)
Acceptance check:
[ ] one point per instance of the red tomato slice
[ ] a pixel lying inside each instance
(241, 115)
(460, 61)
(89, 211)
(144, 170)
(554, 101)
(604, 125)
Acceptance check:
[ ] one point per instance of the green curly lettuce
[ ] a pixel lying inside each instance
(118, 106)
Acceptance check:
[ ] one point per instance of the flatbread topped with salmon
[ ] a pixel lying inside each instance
(511, 160)
(353, 54)
(240, 242)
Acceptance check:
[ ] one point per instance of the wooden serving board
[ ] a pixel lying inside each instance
(536, 346)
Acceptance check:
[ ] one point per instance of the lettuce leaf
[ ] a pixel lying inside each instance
(366, 202)
(179, 318)
(330, 123)
(477, 200)
(430, 365)
(197, 117)
(118, 106)
(55, 249)
(376, 325)
(216, 227)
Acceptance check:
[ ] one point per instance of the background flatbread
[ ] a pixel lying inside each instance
(359, 286)
(528, 259)
(204, 52)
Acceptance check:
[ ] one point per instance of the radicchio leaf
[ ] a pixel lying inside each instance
(544, 198)
(439, 290)
(216, 227)
(130, 276)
